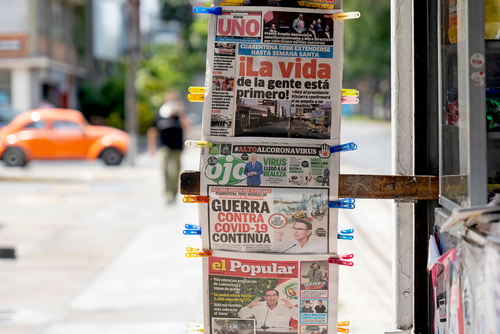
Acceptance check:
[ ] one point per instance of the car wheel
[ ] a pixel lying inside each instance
(14, 157)
(112, 157)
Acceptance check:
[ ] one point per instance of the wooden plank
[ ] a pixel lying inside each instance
(397, 187)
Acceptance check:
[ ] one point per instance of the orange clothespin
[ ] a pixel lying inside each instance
(343, 324)
(195, 199)
(196, 252)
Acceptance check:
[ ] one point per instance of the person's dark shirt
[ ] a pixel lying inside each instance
(170, 131)
(326, 173)
(320, 309)
(319, 30)
(306, 309)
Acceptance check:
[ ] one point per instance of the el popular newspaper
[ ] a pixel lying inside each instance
(254, 294)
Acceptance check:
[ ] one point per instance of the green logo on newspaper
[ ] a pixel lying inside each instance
(228, 170)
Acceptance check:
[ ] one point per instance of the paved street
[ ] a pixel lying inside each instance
(100, 252)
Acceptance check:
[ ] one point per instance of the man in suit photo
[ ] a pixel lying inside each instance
(253, 171)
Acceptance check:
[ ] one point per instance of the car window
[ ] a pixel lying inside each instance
(35, 125)
(65, 125)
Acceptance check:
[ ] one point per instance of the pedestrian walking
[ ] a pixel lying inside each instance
(169, 125)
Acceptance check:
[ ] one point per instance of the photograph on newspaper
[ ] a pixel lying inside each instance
(274, 73)
(321, 4)
(258, 163)
(270, 219)
(262, 294)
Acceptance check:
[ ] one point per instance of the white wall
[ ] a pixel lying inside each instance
(13, 16)
(20, 89)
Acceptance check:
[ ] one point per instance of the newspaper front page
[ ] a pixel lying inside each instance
(269, 196)
(273, 72)
(252, 294)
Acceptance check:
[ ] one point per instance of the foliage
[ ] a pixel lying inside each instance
(163, 67)
(367, 47)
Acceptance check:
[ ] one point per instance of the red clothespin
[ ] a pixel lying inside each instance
(339, 258)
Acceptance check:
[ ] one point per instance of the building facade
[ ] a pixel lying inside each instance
(45, 51)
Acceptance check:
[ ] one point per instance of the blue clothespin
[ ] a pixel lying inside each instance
(207, 10)
(344, 203)
(192, 229)
(344, 148)
(342, 234)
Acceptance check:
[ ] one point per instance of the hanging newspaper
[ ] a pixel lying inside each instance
(321, 4)
(273, 73)
(270, 293)
(266, 197)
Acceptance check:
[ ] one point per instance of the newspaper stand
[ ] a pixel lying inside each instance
(313, 120)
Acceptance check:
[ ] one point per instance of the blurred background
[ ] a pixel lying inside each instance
(97, 249)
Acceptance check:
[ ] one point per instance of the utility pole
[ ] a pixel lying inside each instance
(133, 49)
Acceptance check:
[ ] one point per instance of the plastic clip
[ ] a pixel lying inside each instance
(195, 199)
(344, 148)
(339, 260)
(196, 97)
(346, 16)
(344, 203)
(349, 92)
(349, 100)
(207, 10)
(343, 324)
(196, 252)
(192, 229)
(344, 234)
(198, 143)
(196, 90)
(194, 328)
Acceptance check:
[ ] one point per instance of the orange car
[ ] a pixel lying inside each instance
(59, 134)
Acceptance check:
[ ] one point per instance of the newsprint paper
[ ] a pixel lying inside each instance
(271, 72)
(269, 196)
(256, 294)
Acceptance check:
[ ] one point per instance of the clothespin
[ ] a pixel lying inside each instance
(346, 16)
(194, 328)
(207, 10)
(343, 203)
(339, 260)
(348, 100)
(196, 97)
(196, 90)
(192, 229)
(196, 252)
(343, 324)
(349, 92)
(343, 234)
(344, 148)
(198, 143)
(195, 199)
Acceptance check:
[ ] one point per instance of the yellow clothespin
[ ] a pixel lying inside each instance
(196, 97)
(194, 328)
(195, 199)
(346, 16)
(343, 324)
(196, 90)
(196, 252)
(350, 92)
(198, 143)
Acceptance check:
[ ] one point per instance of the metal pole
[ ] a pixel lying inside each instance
(402, 105)
(133, 45)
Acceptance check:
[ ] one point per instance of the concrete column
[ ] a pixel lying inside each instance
(21, 89)
(402, 104)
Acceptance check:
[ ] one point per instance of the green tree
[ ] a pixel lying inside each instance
(367, 51)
